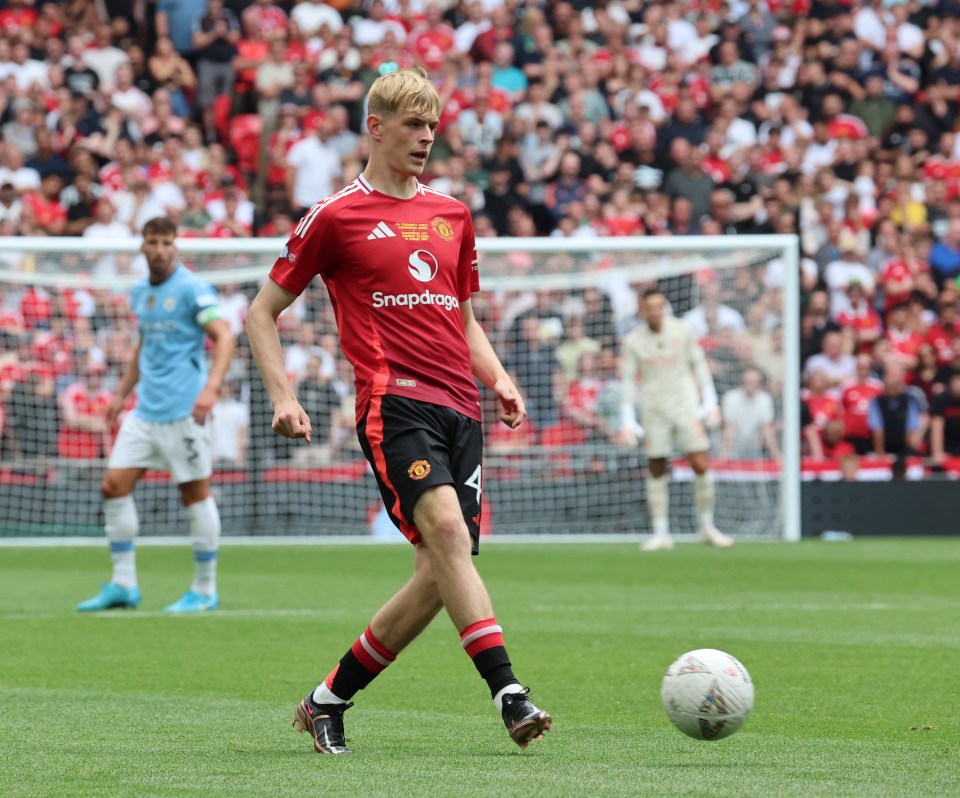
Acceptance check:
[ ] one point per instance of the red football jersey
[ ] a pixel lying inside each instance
(397, 271)
(856, 407)
(81, 443)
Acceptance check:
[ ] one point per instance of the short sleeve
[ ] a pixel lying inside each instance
(308, 252)
(206, 307)
(468, 271)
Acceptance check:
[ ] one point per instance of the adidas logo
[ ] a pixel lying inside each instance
(381, 231)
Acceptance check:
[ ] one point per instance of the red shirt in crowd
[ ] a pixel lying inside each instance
(81, 443)
(823, 408)
(431, 45)
(856, 406)
(941, 341)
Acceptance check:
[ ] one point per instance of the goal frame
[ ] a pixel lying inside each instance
(785, 245)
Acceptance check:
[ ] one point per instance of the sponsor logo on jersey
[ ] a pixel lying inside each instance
(286, 254)
(446, 301)
(408, 384)
(423, 265)
(151, 301)
(442, 228)
(381, 231)
(418, 469)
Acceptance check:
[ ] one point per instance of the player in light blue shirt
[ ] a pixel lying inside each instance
(176, 312)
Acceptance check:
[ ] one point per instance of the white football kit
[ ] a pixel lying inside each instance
(675, 387)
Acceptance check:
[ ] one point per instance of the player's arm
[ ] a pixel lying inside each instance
(629, 426)
(289, 418)
(708, 392)
(127, 383)
(218, 331)
(487, 368)
(936, 439)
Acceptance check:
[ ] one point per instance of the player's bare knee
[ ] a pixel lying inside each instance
(111, 488)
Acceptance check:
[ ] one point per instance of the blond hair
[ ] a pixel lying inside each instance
(406, 90)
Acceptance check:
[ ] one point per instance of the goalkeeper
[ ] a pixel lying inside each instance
(677, 399)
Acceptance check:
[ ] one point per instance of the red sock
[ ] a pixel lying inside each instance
(364, 661)
(483, 642)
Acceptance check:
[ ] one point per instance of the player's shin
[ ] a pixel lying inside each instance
(205, 535)
(483, 642)
(366, 659)
(658, 502)
(122, 525)
(704, 496)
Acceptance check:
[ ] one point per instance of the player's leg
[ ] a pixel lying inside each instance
(132, 454)
(704, 497)
(439, 517)
(188, 452)
(658, 443)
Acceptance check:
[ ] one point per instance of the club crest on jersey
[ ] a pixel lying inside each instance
(169, 304)
(418, 469)
(442, 228)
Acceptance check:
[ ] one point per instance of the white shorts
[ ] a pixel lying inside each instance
(181, 447)
(683, 426)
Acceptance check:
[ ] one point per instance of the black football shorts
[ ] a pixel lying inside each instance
(414, 445)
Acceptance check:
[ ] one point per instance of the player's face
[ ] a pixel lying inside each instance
(653, 309)
(406, 139)
(161, 254)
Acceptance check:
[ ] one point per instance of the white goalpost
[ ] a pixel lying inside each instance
(555, 310)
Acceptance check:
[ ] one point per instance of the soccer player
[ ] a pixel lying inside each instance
(176, 312)
(399, 260)
(676, 397)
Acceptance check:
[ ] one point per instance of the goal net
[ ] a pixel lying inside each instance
(556, 311)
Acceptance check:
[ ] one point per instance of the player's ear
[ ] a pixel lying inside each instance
(374, 126)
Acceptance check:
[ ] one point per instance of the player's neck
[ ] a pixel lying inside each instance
(389, 182)
(156, 279)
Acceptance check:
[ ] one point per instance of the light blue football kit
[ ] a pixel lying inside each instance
(173, 368)
(161, 433)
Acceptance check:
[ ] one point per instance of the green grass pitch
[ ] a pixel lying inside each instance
(854, 649)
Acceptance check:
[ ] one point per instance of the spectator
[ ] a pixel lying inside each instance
(314, 170)
(575, 343)
(895, 416)
(945, 422)
(214, 38)
(839, 273)
(173, 72)
(229, 429)
(311, 16)
(175, 19)
(836, 366)
(104, 58)
(273, 77)
(945, 255)
(83, 432)
(904, 341)
(855, 401)
(748, 419)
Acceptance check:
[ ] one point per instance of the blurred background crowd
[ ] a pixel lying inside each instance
(833, 120)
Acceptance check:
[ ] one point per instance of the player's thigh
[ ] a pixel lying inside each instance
(187, 449)
(135, 447)
(658, 435)
(120, 482)
(691, 434)
(193, 492)
(438, 517)
(405, 443)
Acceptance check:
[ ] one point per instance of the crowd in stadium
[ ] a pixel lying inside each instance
(834, 120)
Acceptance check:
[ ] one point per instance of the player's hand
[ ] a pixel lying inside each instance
(291, 421)
(629, 438)
(113, 410)
(712, 419)
(514, 410)
(203, 406)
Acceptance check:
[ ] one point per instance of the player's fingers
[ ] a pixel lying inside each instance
(307, 428)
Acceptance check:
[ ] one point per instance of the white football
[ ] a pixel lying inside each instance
(707, 694)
